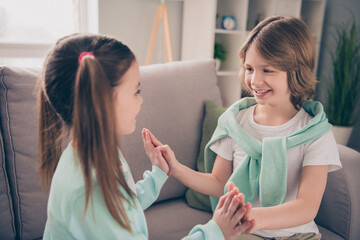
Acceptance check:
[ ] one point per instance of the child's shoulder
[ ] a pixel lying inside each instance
(304, 117)
(245, 113)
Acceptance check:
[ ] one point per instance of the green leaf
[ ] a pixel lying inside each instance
(343, 91)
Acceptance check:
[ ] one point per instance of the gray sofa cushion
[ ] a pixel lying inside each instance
(173, 100)
(173, 219)
(344, 217)
(19, 127)
(7, 222)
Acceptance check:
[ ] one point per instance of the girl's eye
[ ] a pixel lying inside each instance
(138, 92)
(249, 69)
(267, 71)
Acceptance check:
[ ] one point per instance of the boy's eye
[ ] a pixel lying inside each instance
(249, 69)
(138, 92)
(267, 71)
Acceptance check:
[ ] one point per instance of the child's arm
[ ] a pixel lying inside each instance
(148, 189)
(207, 183)
(210, 184)
(297, 212)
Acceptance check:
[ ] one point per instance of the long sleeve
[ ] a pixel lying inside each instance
(98, 223)
(149, 188)
(209, 231)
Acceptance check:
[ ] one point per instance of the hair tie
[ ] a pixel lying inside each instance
(83, 54)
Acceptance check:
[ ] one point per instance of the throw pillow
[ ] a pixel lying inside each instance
(212, 113)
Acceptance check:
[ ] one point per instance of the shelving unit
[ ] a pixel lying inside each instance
(201, 29)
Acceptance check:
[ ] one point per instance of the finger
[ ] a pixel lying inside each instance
(149, 147)
(250, 229)
(248, 207)
(228, 201)
(231, 186)
(239, 214)
(221, 201)
(243, 227)
(236, 191)
(143, 135)
(158, 155)
(154, 139)
(148, 140)
(241, 198)
(233, 207)
(164, 148)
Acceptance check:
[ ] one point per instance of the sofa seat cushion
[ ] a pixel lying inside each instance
(173, 219)
(328, 235)
(18, 110)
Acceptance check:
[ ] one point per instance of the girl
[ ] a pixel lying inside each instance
(90, 87)
(277, 146)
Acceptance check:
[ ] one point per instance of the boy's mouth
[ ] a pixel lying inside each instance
(261, 91)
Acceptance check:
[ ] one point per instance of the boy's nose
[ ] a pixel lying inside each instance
(256, 79)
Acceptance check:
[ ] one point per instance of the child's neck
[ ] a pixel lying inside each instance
(268, 115)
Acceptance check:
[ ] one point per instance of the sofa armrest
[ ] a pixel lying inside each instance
(340, 210)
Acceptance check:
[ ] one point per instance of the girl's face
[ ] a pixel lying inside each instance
(268, 84)
(127, 100)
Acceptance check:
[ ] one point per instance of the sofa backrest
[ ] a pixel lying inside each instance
(24, 197)
(173, 109)
(7, 222)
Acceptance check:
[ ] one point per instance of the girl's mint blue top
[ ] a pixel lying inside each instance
(66, 217)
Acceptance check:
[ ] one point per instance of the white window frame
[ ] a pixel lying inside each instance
(88, 20)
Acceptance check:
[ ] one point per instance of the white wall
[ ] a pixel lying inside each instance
(131, 21)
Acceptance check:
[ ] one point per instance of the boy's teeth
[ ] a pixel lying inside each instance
(261, 91)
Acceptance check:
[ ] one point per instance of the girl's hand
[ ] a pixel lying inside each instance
(150, 142)
(229, 214)
(248, 207)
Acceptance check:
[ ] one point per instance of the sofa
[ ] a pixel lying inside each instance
(174, 95)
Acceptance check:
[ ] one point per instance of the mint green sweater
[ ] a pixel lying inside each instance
(264, 169)
(66, 219)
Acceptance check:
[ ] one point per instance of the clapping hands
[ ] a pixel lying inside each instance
(154, 154)
(160, 155)
(230, 213)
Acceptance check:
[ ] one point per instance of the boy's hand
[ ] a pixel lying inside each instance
(170, 157)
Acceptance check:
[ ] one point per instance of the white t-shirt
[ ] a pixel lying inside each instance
(321, 151)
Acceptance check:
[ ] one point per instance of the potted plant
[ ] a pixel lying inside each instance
(343, 92)
(219, 54)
